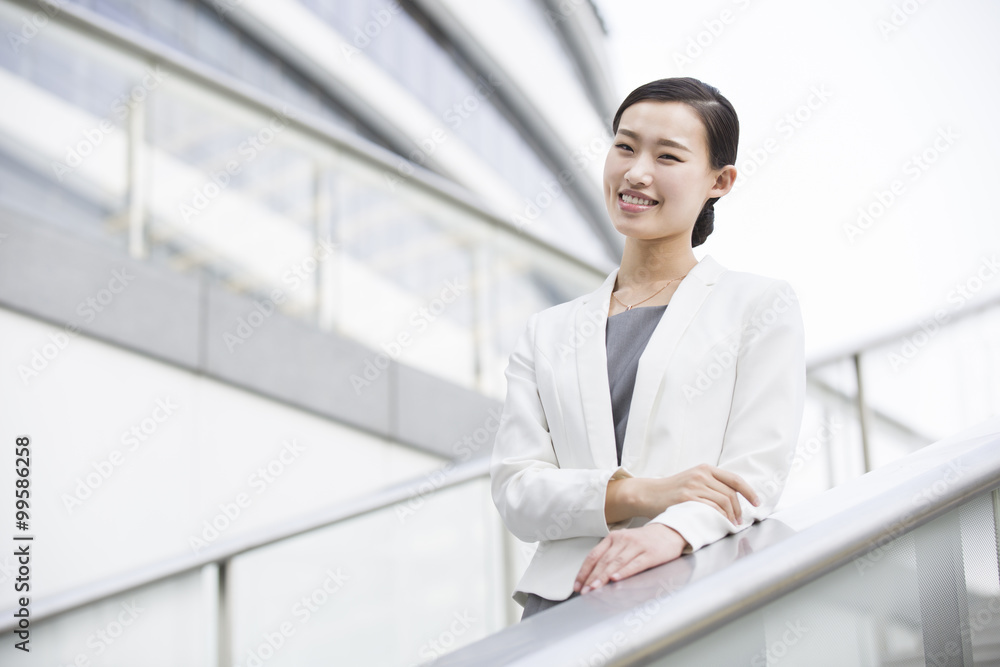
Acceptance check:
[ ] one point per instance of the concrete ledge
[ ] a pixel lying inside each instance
(195, 323)
(102, 292)
(291, 360)
(437, 415)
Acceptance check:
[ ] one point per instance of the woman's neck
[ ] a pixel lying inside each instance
(645, 263)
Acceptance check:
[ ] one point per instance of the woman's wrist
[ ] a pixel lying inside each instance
(624, 500)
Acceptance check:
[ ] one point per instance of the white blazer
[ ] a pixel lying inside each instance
(721, 381)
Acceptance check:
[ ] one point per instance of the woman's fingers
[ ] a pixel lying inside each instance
(738, 484)
(718, 488)
(584, 574)
(727, 505)
(629, 551)
(614, 559)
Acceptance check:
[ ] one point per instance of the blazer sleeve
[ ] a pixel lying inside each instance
(538, 500)
(764, 418)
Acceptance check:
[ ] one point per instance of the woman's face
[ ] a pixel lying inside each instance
(658, 174)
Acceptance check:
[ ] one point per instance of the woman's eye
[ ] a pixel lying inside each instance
(669, 157)
(624, 147)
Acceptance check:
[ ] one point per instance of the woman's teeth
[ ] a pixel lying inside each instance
(629, 199)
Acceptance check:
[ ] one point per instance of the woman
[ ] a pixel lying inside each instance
(659, 413)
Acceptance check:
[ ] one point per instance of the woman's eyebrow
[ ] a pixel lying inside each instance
(660, 142)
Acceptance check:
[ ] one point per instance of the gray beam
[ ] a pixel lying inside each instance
(193, 322)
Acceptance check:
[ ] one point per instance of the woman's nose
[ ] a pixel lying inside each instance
(639, 173)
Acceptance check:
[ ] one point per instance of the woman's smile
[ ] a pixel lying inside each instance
(657, 175)
(635, 202)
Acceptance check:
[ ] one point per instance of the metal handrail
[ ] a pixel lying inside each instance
(449, 476)
(568, 633)
(874, 341)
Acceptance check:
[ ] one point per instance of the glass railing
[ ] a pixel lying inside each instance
(273, 595)
(113, 136)
(898, 567)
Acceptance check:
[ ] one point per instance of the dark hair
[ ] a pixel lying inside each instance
(722, 128)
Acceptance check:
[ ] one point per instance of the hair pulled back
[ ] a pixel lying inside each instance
(722, 129)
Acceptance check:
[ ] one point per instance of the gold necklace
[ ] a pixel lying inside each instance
(628, 307)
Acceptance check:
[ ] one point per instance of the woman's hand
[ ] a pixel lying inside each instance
(648, 497)
(626, 552)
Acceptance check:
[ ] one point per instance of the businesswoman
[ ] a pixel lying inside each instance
(659, 413)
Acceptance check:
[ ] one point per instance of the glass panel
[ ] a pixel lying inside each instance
(64, 140)
(937, 380)
(272, 211)
(921, 598)
(197, 29)
(466, 106)
(232, 190)
(396, 587)
(518, 287)
(829, 445)
(163, 625)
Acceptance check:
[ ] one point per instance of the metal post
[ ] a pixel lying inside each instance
(996, 522)
(944, 604)
(136, 205)
(224, 635)
(510, 574)
(326, 252)
(864, 419)
(481, 314)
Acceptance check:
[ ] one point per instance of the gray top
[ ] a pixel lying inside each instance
(627, 335)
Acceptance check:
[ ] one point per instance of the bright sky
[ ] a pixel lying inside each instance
(886, 106)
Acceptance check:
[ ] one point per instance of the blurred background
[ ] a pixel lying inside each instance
(262, 263)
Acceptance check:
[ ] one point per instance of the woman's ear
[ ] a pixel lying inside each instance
(724, 181)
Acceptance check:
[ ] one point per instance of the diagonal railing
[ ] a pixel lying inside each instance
(650, 617)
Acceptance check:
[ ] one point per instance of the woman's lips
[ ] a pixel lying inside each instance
(634, 203)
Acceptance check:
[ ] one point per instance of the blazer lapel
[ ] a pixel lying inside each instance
(588, 337)
(684, 305)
